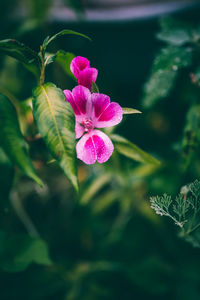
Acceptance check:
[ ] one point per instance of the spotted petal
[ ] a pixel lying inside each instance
(94, 146)
(105, 113)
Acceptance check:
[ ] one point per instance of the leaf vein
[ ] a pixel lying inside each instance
(54, 119)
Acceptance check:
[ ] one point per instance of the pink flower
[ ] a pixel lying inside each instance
(93, 111)
(80, 67)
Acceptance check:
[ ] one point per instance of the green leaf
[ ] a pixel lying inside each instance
(175, 32)
(95, 187)
(12, 141)
(191, 139)
(56, 122)
(22, 53)
(94, 88)
(183, 210)
(164, 73)
(64, 60)
(130, 150)
(49, 58)
(6, 177)
(103, 202)
(162, 205)
(48, 40)
(18, 251)
(144, 170)
(129, 111)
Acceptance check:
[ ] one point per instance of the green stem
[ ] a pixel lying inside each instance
(22, 214)
(42, 74)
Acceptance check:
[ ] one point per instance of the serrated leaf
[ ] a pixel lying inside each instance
(48, 40)
(132, 151)
(174, 31)
(12, 141)
(164, 73)
(129, 111)
(19, 251)
(22, 53)
(183, 210)
(55, 120)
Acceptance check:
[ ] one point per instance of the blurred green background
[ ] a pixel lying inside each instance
(108, 243)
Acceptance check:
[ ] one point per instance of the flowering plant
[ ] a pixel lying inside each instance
(103, 241)
(80, 67)
(61, 118)
(92, 110)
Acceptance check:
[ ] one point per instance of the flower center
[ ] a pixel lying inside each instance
(87, 124)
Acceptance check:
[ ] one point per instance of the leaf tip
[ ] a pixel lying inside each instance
(130, 111)
(37, 180)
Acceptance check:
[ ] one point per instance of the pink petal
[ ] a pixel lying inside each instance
(87, 76)
(79, 130)
(85, 149)
(93, 146)
(104, 146)
(80, 100)
(100, 102)
(78, 64)
(70, 98)
(106, 114)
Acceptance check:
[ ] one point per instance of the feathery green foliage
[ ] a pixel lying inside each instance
(184, 210)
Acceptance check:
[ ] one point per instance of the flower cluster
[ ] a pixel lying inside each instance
(80, 67)
(92, 110)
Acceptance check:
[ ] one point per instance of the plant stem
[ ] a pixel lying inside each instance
(42, 74)
(22, 214)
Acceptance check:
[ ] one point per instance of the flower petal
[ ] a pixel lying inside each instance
(100, 102)
(79, 130)
(70, 98)
(87, 76)
(103, 145)
(82, 100)
(78, 64)
(93, 146)
(105, 114)
(85, 149)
